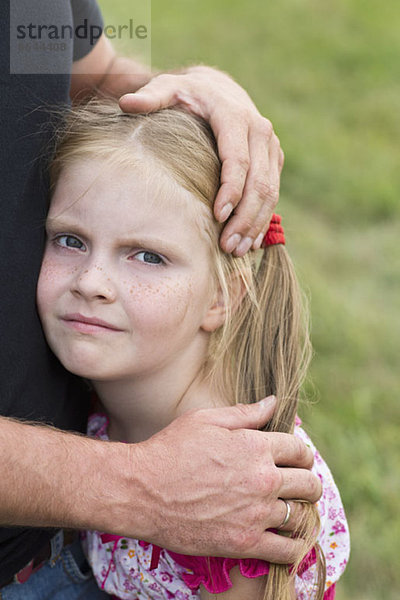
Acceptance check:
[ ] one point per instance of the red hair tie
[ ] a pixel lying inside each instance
(275, 234)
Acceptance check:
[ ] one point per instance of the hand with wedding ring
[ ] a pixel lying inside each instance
(244, 494)
(287, 515)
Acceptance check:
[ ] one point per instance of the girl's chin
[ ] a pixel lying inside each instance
(89, 371)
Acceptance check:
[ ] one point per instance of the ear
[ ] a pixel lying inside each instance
(216, 314)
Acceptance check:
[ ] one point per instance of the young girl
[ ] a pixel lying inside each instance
(136, 296)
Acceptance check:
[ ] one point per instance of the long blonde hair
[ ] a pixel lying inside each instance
(263, 346)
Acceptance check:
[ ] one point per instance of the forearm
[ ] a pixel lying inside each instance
(103, 72)
(54, 479)
(124, 75)
(152, 491)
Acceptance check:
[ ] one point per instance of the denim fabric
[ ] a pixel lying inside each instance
(68, 577)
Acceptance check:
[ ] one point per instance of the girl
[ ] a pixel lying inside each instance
(136, 296)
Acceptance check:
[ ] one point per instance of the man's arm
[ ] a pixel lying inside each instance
(103, 71)
(250, 152)
(152, 490)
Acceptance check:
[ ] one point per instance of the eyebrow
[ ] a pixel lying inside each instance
(57, 223)
(133, 239)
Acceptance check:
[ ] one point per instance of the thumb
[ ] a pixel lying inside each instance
(241, 416)
(157, 94)
(140, 102)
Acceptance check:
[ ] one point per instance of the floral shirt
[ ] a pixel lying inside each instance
(132, 569)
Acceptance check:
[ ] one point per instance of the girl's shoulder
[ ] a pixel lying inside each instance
(334, 537)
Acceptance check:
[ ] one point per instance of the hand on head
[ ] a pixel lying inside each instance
(250, 152)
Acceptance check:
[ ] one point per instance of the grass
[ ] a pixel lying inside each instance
(326, 74)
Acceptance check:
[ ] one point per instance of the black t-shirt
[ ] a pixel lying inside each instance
(33, 385)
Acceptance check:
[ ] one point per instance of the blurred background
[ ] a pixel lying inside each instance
(326, 73)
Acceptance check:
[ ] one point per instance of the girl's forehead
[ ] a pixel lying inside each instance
(141, 188)
(111, 174)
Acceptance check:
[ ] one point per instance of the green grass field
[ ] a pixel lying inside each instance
(326, 74)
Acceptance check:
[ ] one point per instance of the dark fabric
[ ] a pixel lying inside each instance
(85, 13)
(33, 385)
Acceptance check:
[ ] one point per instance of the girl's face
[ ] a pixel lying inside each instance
(125, 286)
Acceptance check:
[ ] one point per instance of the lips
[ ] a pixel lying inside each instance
(88, 324)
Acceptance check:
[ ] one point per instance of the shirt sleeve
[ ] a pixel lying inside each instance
(88, 26)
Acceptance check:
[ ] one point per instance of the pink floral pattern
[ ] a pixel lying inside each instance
(122, 565)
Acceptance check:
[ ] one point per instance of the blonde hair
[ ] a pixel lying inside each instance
(263, 346)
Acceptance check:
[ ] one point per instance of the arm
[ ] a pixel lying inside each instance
(250, 152)
(222, 513)
(102, 71)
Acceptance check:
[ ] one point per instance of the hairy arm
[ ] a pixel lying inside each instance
(51, 478)
(104, 72)
(56, 479)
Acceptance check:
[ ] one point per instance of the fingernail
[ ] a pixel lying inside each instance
(258, 241)
(225, 212)
(232, 242)
(267, 402)
(244, 246)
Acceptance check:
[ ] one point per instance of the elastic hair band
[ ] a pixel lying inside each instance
(275, 234)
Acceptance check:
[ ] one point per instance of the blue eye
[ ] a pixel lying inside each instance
(70, 241)
(149, 258)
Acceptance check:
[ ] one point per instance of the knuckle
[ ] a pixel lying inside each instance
(266, 127)
(192, 413)
(234, 190)
(246, 223)
(290, 553)
(194, 416)
(243, 162)
(301, 452)
(315, 487)
(275, 140)
(260, 225)
(243, 409)
(273, 480)
(266, 189)
(164, 78)
(245, 541)
(236, 193)
(276, 479)
(255, 516)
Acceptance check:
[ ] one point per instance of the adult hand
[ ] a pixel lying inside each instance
(206, 484)
(250, 152)
(209, 485)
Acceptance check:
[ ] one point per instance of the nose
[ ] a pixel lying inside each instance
(92, 283)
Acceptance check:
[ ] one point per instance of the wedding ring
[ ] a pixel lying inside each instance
(287, 516)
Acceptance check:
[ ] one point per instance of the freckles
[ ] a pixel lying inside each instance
(48, 271)
(143, 290)
(51, 272)
(172, 298)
